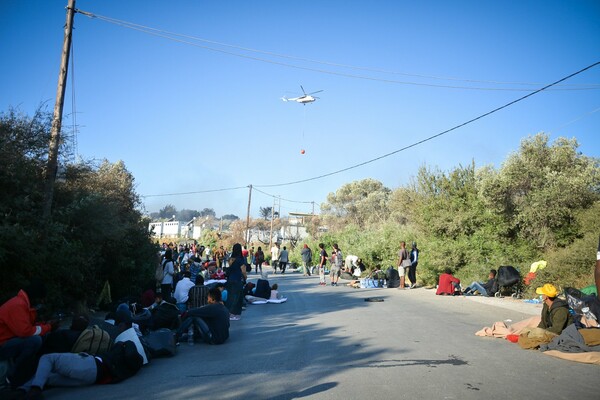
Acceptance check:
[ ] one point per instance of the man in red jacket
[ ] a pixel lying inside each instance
(20, 335)
(447, 284)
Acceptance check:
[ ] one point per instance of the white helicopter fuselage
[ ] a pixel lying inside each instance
(305, 99)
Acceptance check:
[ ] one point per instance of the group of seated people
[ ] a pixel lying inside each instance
(39, 354)
(449, 285)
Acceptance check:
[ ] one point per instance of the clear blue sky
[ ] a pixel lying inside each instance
(185, 119)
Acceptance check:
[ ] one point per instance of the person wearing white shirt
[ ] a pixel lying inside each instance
(182, 291)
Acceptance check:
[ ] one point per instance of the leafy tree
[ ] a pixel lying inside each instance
(208, 212)
(360, 202)
(540, 188)
(167, 211)
(265, 212)
(230, 217)
(187, 215)
(96, 232)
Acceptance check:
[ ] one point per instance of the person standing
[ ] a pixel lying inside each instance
(234, 285)
(275, 256)
(166, 285)
(322, 263)
(306, 254)
(283, 259)
(336, 265)
(403, 263)
(220, 255)
(259, 258)
(414, 261)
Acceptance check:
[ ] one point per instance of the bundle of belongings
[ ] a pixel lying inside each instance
(566, 329)
(579, 341)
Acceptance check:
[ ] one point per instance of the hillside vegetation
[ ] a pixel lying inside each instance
(542, 203)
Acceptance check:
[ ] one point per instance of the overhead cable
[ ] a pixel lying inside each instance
(196, 192)
(173, 37)
(433, 136)
(281, 198)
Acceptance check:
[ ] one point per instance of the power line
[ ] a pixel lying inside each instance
(575, 120)
(196, 192)
(436, 135)
(281, 198)
(169, 36)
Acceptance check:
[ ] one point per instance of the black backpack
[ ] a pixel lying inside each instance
(123, 361)
(507, 276)
(165, 315)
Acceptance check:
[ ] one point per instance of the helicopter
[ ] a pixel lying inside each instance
(305, 99)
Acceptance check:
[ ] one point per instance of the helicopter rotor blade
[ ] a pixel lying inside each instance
(302, 90)
(318, 91)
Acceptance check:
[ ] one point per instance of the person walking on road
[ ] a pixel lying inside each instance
(283, 259)
(322, 263)
(259, 258)
(275, 256)
(306, 254)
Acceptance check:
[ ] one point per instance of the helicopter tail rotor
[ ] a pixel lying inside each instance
(284, 99)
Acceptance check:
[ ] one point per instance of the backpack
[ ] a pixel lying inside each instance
(159, 272)
(123, 361)
(507, 276)
(166, 315)
(92, 341)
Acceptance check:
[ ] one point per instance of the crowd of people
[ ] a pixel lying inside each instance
(196, 298)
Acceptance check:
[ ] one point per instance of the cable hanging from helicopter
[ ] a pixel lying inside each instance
(304, 100)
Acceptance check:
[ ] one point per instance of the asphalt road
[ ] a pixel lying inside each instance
(328, 343)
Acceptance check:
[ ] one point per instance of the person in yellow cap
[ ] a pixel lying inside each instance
(555, 313)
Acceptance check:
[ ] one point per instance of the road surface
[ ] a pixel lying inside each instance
(328, 343)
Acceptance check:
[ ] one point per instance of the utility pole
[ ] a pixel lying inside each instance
(248, 216)
(313, 207)
(52, 167)
(272, 217)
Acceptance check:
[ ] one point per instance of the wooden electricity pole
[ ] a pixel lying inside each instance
(272, 217)
(52, 167)
(248, 216)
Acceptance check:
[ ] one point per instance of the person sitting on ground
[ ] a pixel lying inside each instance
(20, 334)
(80, 369)
(485, 289)
(62, 340)
(211, 320)
(262, 290)
(198, 294)
(448, 284)
(555, 312)
(182, 291)
(275, 295)
(224, 291)
(218, 274)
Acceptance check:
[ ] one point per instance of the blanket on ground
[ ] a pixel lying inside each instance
(501, 330)
(259, 300)
(571, 340)
(592, 357)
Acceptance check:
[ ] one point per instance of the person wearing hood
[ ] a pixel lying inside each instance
(555, 313)
(20, 334)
